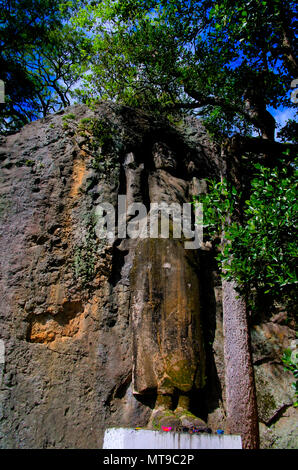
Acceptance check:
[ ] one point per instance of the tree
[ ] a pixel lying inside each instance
(226, 57)
(258, 258)
(228, 61)
(232, 62)
(38, 49)
(262, 250)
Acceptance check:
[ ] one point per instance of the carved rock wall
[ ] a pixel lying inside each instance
(66, 296)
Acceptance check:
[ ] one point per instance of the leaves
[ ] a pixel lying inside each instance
(161, 54)
(38, 49)
(261, 253)
(155, 54)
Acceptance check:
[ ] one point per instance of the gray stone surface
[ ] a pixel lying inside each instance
(65, 296)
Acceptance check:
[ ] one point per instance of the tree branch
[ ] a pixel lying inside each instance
(256, 145)
(202, 100)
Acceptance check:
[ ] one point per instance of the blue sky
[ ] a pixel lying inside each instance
(283, 114)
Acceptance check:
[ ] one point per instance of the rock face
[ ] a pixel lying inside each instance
(77, 312)
(167, 332)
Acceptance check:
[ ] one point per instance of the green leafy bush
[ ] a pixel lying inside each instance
(261, 251)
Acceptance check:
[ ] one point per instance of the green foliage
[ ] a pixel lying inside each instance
(105, 145)
(66, 117)
(84, 123)
(290, 360)
(66, 120)
(37, 51)
(85, 254)
(84, 260)
(225, 58)
(29, 163)
(105, 133)
(289, 132)
(261, 251)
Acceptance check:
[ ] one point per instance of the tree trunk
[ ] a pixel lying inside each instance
(242, 415)
(241, 402)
